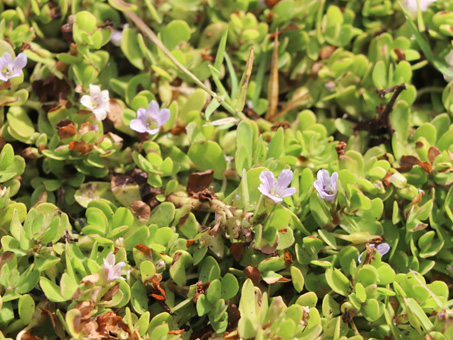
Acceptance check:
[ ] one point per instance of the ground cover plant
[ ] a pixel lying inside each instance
(201, 169)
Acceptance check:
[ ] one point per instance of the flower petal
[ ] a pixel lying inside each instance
(334, 177)
(86, 101)
(289, 192)
(137, 125)
(19, 62)
(95, 90)
(100, 113)
(383, 248)
(153, 131)
(268, 180)
(5, 60)
(163, 117)
(141, 114)
(153, 107)
(284, 179)
(272, 197)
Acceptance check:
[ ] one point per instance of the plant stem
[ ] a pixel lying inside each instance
(147, 31)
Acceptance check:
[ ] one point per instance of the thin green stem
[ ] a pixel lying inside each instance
(147, 31)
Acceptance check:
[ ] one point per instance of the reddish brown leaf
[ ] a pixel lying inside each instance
(238, 251)
(253, 273)
(198, 181)
(179, 331)
(144, 249)
(141, 210)
(189, 243)
(288, 258)
(326, 52)
(283, 231)
(202, 288)
(67, 131)
(433, 152)
(417, 199)
(27, 336)
(408, 162)
(80, 146)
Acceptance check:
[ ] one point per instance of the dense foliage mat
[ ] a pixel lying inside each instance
(189, 169)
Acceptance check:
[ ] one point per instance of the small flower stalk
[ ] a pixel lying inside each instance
(98, 102)
(382, 249)
(151, 119)
(10, 68)
(276, 190)
(114, 271)
(326, 185)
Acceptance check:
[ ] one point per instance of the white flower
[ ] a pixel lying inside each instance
(10, 68)
(98, 102)
(411, 5)
(382, 249)
(276, 190)
(113, 270)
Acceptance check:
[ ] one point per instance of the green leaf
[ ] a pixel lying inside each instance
(208, 155)
(338, 281)
(221, 51)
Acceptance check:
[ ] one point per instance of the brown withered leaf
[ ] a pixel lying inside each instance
(433, 152)
(111, 292)
(387, 183)
(288, 258)
(326, 52)
(80, 146)
(86, 127)
(85, 308)
(198, 181)
(144, 249)
(190, 243)
(417, 199)
(238, 251)
(202, 288)
(93, 278)
(179, 331)
(233, 316)
(116, 112)
(67, 131)
(141, 210)
(157, 291)
(408, 162)
(27, 336)
(52, 90)
(95, 293)
(253, 273)
(6, 257)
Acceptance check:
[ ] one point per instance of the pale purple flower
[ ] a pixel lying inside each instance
(276, 190)
(10, 68)
(326, 185)
(98, 102)
(117, 36)
(113, 270)
(151, 119)
(382, 249)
